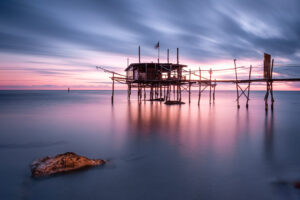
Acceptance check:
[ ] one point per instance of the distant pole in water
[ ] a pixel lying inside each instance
(68, 89)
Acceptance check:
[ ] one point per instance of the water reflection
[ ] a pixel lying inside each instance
(185, 152)
(206, 128)
(189, 125)
(269, 135)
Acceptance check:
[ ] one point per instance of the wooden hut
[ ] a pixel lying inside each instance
(154, 72)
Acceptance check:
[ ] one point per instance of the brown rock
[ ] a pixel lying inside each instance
(62, 163)
(296, 185)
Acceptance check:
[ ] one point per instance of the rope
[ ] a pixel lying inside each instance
(109, 71)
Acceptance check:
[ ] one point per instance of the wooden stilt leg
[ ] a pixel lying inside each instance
(271, 86)
(248, 96)
(174, 91)
(214, 91)
(145, 93)
(199, 96)
(170, 91)
(190, 73)
(160, 91)
(138, 92)
(267, 96)
(113, 88)
(210, 72)
(129, 90)
(189, 92)
(151, 92)
(237, 88)
(179, 92)
(272, 98)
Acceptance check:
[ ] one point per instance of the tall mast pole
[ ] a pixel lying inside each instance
(168, 55)
(139, 54)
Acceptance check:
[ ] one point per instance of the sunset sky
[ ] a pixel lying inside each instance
(56, 44)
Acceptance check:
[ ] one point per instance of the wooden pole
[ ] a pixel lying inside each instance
(151, 92)
(168, 52)
(155, 91)
(267, 95)
(113, 88)
(173, 91)
(160, 92)
(129, 90)
(139, 54)
(145, 93)
(158, 53)
(190, 86)
(210, 72)
(138, 92)
(141, 93)
(267, 76)
(199, 97)
(179, 72)
(249, 83)
(214, 90)
(177, 55)
(179, 91)
(168, 92)
(271, 86)
(236, 82)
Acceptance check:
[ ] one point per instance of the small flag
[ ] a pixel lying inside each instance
(157, 45)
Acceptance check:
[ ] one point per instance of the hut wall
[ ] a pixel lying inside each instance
(129, 74)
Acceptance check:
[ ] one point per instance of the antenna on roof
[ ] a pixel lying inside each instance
(139, 54)
(168, 55)
(177, 55)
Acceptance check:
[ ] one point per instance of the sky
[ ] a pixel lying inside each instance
(56, 44)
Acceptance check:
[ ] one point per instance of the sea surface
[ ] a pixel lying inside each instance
(212, 151)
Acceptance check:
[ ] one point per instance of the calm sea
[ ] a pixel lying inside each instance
(155, 151)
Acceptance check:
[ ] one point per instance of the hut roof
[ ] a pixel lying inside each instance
(164, 66)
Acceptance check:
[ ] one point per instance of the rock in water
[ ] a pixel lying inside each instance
(62, 163)
(297, 185)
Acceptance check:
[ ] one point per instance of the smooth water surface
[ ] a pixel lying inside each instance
(155, 151)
